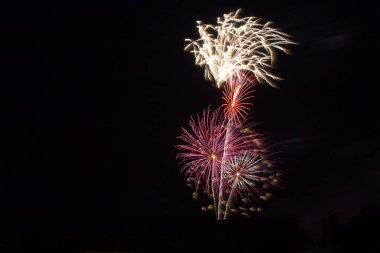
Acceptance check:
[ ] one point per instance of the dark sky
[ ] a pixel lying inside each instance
(93, 95)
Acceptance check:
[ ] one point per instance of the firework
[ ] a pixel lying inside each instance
(249, 178)
(204, 148)
(223, 158)
(236, 98)
(236, 45)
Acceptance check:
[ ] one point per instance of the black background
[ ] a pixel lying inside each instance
(92, 98)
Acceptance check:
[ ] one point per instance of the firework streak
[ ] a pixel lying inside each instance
(222, 157)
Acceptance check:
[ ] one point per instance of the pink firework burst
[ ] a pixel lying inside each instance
(203, 151)
(201, 154)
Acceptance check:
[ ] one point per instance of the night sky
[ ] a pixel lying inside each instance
(93, 96)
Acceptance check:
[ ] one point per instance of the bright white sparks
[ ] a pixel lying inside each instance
(237, 45)
(242, 171)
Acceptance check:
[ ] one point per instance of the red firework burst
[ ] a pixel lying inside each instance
(236, 94)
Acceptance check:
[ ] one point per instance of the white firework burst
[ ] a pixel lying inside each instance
(242, 172)
(249, 179)
(237, 46)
